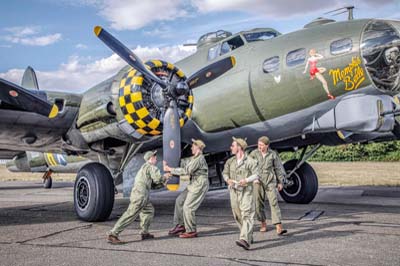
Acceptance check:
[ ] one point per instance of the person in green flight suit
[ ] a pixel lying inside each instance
(190, 199)
(272, 174)
(147, 177)
(239, 173)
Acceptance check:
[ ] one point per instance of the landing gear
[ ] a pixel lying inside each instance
(93, 193)
(301, 183)
(47, 181)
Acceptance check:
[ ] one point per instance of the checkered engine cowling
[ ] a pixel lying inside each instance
(142, 101)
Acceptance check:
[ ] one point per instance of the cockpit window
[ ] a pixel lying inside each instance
(231, 44)
(341, 46)
(296, 57)
(213, 52)
(259, 36)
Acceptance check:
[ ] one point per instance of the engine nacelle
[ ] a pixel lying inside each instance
(380, 49)
(41, 162)
(132, 104)
(143, 103)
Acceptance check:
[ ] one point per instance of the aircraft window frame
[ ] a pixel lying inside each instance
(249, 35)
(274, 64)
(342, 48)
(233, 43)
(215, 53)
(296, 61)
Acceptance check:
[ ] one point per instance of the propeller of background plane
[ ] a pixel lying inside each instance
(25, 99)
(171, 127)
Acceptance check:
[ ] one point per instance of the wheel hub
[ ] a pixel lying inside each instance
(294, 187)
(82, 193)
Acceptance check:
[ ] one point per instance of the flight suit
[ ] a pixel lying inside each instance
(190, 199)
(242, 199)
(271, 173)
(148, 175)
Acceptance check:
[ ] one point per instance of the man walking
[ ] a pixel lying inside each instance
(271, 177)
(239, 173)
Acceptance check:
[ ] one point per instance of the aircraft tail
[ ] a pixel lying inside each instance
(29, 80)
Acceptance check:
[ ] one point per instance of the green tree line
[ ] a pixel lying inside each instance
(388, 151)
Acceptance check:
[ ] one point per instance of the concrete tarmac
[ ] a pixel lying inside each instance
(355, 226)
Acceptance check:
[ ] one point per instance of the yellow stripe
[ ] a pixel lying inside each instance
(129, 119)
(233, 60)
(340, 134)
(122, 102)
(155, 132)
(396, 99)
(154, 123)
(54, 111)
(172, 187)
(170, 66)
(51, 159)
(157, 63)
(127, 90)
(122, 83)
(190, 99)
(142, 112)
(181, 122)
(48, 158)
(180, 73)
(141, 131)
(136, 96)
(130, 108)
(131, 73)
(97, 30)
(140, 123)
(137, 81)
(188, 112)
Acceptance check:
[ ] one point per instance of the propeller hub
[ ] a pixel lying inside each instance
(182, 88)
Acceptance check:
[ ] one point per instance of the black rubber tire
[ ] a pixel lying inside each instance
(305, 185)
(48, 183)
(93, 193)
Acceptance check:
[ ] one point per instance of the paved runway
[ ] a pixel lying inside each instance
(358, 226)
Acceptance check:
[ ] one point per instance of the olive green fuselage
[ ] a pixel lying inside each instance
(246, 94)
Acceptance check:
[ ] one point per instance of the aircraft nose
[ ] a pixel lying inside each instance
(380, 49)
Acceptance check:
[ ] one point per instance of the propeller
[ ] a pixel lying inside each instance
(171, 91)
(126, 54)
(210, 72)
(15, 95)
(172, 141)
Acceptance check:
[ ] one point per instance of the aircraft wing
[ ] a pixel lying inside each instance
(34, 120)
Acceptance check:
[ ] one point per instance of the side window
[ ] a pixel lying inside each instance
(341, 46)
(213, 52)
(225, 48)
(271, 64)
(231, 44)
(296, 57)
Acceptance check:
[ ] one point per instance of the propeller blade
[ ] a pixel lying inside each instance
(172, 142)
(211, 72)
(15, 95)
(126, 54)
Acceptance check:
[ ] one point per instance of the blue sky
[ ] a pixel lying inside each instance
(56, 37)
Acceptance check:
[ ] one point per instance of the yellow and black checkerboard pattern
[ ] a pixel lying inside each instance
(131, 100)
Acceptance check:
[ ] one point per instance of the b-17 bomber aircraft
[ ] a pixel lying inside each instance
(329, 83)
